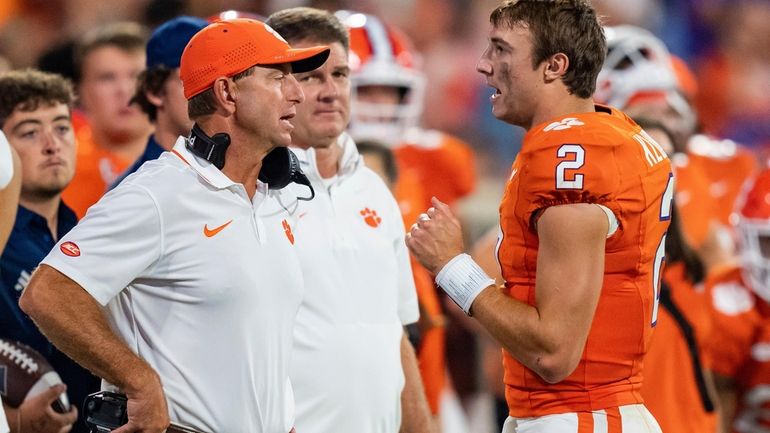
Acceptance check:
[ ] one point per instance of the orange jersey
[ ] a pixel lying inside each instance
(95, 170)
(727, 166)
(670, 387)
(604, 158)
(445, 165)
(741, 347)
(693, 199)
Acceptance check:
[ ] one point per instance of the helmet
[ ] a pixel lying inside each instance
(754, 233)
(639, 65)
(636, 61)
(381, 55)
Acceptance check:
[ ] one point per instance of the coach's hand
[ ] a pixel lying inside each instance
(436, 237)
(147, 411)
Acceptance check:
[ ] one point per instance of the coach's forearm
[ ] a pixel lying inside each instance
(416, 416)
(74, 322)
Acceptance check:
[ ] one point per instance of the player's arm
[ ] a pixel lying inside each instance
(415, 413)
(549, 337)
(74, 322)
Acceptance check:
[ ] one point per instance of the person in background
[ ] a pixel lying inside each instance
(181, 286)
(583, 222)
(740, 295)
(353, 367)
(111, 131)
(387, 104)
(159, 93)
(36, 116)
(643, 79)
(678, 385)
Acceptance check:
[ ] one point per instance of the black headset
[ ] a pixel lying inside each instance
(280, 166)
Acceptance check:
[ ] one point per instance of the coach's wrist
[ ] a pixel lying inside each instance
(463, 279)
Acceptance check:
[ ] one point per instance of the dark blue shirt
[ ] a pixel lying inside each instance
(151, 152)
(29, 243)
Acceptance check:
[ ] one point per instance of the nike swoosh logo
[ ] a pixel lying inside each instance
(212, 232)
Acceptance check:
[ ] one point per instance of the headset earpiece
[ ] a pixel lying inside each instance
(280, 167)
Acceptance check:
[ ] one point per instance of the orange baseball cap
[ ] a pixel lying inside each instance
(228, 47)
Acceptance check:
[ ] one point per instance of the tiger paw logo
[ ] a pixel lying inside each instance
(371, 218)
(287, 230)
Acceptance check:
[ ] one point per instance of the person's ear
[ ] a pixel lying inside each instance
(224, 93)
(556, 67)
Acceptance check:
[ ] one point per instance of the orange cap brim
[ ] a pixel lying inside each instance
(301, 59)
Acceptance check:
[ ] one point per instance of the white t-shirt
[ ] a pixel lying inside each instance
(202, 283)
(3, 421)
(6, 164)
(346, 367)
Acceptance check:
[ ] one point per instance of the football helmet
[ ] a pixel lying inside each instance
(636, 61)
(639, 65)
(382, 56)
(754, 235)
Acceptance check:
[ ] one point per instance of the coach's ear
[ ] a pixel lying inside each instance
(555, 67)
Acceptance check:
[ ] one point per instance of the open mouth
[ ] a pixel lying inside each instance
(496, 93)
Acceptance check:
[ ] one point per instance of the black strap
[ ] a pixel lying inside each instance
(692, 346)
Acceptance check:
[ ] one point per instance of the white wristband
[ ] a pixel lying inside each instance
(463, 279)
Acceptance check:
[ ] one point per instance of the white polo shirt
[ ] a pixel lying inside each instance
(6, 167)
(3, 421)
(202, 283)
(346, 367)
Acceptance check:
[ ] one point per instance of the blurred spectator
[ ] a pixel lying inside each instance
(114, 131)
(60, 59)
(159, 93)
(640, 77)
(740, 294)
(387, 104)
(678, 385)
(35, 114)
(734, 101)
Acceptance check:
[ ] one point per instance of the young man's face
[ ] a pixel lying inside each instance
(45, 142)
(507, 66)
(107, 84)
(326, 111)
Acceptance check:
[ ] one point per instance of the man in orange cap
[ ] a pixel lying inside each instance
(200, 309)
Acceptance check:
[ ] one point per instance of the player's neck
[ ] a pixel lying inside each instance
(560, 107)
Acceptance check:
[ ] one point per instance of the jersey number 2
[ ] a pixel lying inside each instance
(660, 253)
(578, 157)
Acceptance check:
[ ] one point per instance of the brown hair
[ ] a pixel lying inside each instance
(560, 26)
(203, 104)
(296, 24)
(150, 81)
(28, 89)
(126, 36)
